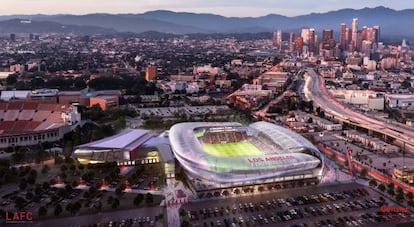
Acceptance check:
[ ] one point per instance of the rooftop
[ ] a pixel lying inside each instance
(128, 139)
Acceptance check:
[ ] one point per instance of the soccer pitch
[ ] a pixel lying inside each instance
(236, 149)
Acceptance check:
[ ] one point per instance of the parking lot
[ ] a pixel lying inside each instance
(334, 205)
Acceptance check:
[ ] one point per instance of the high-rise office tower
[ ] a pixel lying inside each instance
(305, 35)
(312, 40)
(354, 32)
(377, 33)
(298, 44)
(328, 41)
(308, 37)
(291, 41)
(277, 39)
(343, 37)
(13, 37)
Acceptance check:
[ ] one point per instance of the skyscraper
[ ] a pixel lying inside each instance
(354, 32)
(308, 37)
(343, 38)
(377, 33)
(13, 37)
(291, 41)
(328, 41)
(277, 39)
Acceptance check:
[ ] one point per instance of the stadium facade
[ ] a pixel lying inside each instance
(227, 154)
(120, 148)
(32, 123)
(127, 148)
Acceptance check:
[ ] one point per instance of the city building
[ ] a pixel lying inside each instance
(404, 174)
(151, 73)
(120, 148)
(105, 101)
(274, 81)
(399, 100)
(277, 39)
(354, 40)
(328, 41)
(343, 39)
(249, 96)
(127, 148)
(371, 142)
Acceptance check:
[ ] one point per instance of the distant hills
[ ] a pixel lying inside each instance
(34, 26)
(396, 23)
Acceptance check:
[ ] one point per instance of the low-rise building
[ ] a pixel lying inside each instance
(404, 174)
(372, 142)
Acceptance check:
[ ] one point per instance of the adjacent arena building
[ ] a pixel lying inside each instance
(32, 123)
(227, 154)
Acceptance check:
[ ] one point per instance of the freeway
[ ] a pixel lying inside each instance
(314, 89)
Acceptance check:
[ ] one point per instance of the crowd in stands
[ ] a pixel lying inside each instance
(223, 137)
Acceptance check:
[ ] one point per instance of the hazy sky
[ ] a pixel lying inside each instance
(222, 7)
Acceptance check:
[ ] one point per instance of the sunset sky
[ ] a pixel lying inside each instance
(240, 8)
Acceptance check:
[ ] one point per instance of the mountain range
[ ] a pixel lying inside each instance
(396, 23)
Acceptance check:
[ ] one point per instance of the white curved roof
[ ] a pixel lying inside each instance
(285, 138)
(293, 153)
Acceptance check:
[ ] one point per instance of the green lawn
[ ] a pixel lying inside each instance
(235, 149)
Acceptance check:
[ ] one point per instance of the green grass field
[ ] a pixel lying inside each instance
(236, 149)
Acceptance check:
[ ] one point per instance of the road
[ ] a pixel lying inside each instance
(314, 89)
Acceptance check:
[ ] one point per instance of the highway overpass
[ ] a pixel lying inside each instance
(314, 89)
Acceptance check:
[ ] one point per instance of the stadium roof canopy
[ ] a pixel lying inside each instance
(290, 154)
(128, 140)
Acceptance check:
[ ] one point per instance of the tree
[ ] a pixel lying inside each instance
(69, 207)
(46, 185)
(381, 187)
(29, 195)
(76, 207)
(72, 167)
(149, 198)
(391, 186)
(138, 199)
(185, 224)
(399, 197)
(22, 184)
(373, 183)
(119, 191)
(45, 169)
(409, 195)
(42, 211)
(110, 200)
(115, 203)
(63, 168)
(62, 193)
(19, 202)
(58, 209)
(12, 79)
(399, 190)
(391, 191)
(237, 191)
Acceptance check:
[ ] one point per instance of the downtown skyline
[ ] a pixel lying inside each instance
(229, 8)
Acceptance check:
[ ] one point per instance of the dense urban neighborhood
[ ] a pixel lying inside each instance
(299, 127)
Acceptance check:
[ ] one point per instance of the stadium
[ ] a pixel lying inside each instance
(31, 123)
(218, 155)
